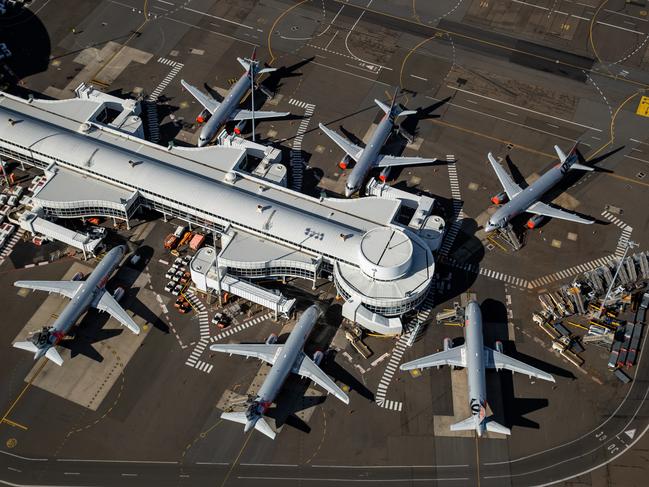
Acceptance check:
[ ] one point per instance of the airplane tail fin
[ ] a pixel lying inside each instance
(389, 110)
(259, 423)
(497, 428)
(50, 352)
(571, 161)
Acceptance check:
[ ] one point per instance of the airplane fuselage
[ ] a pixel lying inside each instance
(84, 297)
(475, 364)
(289, 356)
(526, 198)
(224, 111)
(369, 156)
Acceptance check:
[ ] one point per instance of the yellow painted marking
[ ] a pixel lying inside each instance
(15, 425)
(643, 107)
(497, 244)
(11, 443)
(236, 460)
(22, 393)
(272, 29)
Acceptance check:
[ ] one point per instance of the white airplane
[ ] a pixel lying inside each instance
(82, 294)
(228, 109)
(523, 200)
(370, 156)
(475, 357)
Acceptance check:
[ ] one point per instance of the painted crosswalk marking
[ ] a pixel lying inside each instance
(458, 214)
(297, 161)
(624, 237)
(151, 105)
(242, 326)
(11, 243)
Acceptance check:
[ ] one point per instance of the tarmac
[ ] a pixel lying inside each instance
(513, 78)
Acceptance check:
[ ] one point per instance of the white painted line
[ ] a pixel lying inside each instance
(523, 108)
(219, 18)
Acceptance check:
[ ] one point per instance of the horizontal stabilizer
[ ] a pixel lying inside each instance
(260, 423)
(54, 356)
(464, 425)
(29, 346)
(581, 167)
(497, 427)
(382, 106)
(406, 113)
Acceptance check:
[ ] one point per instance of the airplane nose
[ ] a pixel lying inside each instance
(249, 425)
(201, 142)
(348, 192)
(489, 228)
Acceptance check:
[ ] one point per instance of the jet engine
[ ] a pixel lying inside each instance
(78, 276)
(534, 222)
(118, 293)
(238, 128)
(499, 346)
(385, 174)
(500, 198)
(272, 339)
(318, 356)
(203, 116)
(344, 163)
(448, 344)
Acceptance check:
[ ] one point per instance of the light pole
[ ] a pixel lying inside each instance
(252, 94)
(630, 244)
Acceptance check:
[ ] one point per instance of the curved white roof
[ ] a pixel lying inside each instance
(189, 178)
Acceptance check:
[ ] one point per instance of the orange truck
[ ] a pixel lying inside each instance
(170, 241)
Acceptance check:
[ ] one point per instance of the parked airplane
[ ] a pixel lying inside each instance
(370, 156)
(285, 358)
(82, 294)
(475, 357)
(228, 109)
(528, 199)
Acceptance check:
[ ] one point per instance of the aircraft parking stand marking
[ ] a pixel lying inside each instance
(405, 340)
(242, 326)
(297, 162)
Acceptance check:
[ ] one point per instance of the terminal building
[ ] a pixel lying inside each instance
(377, 250)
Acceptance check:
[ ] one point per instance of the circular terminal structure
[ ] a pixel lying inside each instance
(385, 253)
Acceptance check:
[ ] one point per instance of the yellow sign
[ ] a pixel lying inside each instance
(643, 107)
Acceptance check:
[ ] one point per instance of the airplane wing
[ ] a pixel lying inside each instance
(208, 102)
(389, 161)
(108, 304)
(309, 369)
(544, 209)
(497, 360)
(267, 353)
(508, 184)
(352, 150)
(65, 288)
(454, 356)
(247, 114)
